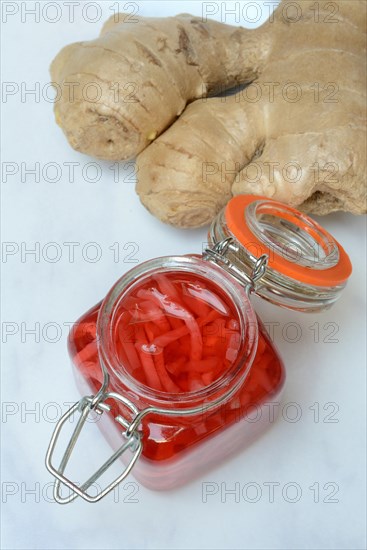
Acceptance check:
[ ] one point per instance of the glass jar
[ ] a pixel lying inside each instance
(176, 355)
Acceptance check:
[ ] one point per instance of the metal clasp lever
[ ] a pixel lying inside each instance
(217, 254)
(133, 441)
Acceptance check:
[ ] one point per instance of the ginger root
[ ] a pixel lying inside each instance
(296, 133)
(145, 73)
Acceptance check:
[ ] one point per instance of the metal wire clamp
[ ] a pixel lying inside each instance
(217, 254)
(132, 441)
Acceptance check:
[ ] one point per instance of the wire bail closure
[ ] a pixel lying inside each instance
(133, 441)
(217, 254)
(131, 433)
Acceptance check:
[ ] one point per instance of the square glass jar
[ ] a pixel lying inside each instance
(176, 356)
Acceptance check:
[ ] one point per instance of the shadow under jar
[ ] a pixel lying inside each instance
(176, 355)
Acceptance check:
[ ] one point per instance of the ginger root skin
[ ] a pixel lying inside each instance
(143, 72)
(309, 153)
(195, 152)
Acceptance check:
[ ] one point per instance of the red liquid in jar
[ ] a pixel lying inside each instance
(178, 333)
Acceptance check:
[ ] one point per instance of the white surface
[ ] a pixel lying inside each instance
(36, 374)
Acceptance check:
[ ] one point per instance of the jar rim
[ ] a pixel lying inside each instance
(292, 235)
(222, 386)
(285, 283)
(241, 215)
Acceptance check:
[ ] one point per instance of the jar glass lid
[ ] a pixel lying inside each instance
(307, 268)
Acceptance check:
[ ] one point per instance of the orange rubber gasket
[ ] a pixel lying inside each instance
(236, 222)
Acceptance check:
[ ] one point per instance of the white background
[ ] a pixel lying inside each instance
(328, 376)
